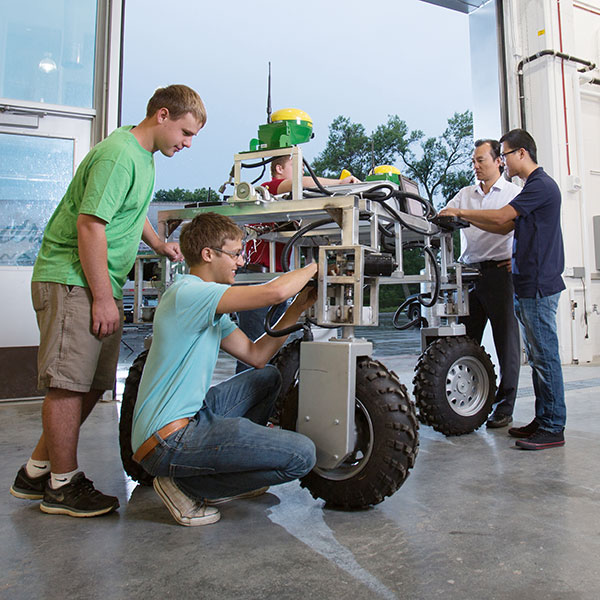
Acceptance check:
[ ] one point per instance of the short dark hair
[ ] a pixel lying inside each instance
(279, 160)
(519, 138)
(178, 100)
(206, 230)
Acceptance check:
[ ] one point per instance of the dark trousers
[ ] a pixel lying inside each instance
(492, 297)
(252, 323)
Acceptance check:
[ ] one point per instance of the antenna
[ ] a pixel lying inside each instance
(269, 96)
(372, 155)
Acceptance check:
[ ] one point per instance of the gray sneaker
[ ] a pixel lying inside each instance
(78, 498)
(29, 488)
(185, 510)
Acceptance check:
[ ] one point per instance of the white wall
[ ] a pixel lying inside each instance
(564, 119)
(15, 301)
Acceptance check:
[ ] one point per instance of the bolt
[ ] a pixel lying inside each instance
(336, 421)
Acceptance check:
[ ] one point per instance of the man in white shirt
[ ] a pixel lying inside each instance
(492, 295)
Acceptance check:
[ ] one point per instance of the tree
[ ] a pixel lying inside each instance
(441, 165)
(348, 147)
(186, 196)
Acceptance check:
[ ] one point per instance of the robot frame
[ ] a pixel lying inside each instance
(357, 412)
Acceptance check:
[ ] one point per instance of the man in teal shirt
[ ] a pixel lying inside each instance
(207, 445)
(89, 246)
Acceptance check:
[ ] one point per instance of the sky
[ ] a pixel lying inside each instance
(363, 60)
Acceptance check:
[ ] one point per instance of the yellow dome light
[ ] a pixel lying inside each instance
(290, 114)
(383, 169)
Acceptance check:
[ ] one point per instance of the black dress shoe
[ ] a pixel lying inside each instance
(497, 421)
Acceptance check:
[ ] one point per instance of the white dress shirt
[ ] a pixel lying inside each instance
(478, 245)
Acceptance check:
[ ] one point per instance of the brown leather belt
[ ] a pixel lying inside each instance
(163, 433)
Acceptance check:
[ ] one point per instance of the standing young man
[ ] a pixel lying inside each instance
(206, 446)
(492, 296)
(89, 246)
(537, 266)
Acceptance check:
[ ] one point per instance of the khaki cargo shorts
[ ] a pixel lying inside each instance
(70, 356)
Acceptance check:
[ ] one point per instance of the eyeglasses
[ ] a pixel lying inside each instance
(503, 155)
(235, 255)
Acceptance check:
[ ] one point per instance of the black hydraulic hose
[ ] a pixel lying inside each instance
(408, 325)
(387, 246)
(292, 328)
(260, 176)
(316, 179)
(437, 277)
(588, 66)
(409, 300)
(285, 263)
(420, 297)
(399, 311)
(429, 208)
(279, 332)
(260, 163)
(400, 220)
(370, 193)
(393, 193)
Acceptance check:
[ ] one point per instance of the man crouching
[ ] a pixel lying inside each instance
(208, 445)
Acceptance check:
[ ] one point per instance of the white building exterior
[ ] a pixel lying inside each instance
(59, 95)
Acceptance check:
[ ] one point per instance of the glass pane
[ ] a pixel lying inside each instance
(47, 51)
(34, 174)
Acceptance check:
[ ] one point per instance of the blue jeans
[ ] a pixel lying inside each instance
(537, 318)
(225, 449)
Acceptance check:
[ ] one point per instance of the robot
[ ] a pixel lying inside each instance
(360, 416)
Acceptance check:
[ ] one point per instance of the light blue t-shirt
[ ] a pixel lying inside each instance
(185, 346)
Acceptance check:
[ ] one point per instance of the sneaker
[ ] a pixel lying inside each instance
(541, 440)
(78, 498)
(29, 488)
(250, 494)
(185, 510)
(525, 431)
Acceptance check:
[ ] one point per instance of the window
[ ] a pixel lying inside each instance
(47, 50)
(34, 174)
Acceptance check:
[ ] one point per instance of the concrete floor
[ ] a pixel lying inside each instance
(477, 519)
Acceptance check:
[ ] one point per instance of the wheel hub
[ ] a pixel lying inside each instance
(466, 386)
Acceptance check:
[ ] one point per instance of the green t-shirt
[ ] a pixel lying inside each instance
(114, 182)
